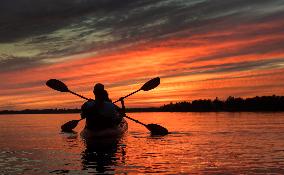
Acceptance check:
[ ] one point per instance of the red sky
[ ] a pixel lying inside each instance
(231, 56)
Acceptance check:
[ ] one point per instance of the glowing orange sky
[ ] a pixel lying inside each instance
(125, 71)
(231, 61)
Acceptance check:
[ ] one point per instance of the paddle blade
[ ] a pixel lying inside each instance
(151, 84)
(57, 85)
(157, 129)
(69, 126)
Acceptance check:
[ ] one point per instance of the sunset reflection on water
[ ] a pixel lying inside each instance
(199, 143)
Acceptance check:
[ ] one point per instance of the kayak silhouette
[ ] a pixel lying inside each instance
(155, 129)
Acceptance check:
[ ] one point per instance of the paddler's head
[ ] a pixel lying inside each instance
(99, 91)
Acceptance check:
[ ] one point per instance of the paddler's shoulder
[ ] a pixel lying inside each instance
(109, 104)
(89, 104)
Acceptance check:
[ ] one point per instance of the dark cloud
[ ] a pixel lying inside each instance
(33, 17)
(227, 67)
(58, 28)
(127, 18)
(241, 66)
(272, 46)
(14, 63)
(15, 9)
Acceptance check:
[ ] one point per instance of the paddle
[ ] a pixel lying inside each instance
(153, 128)
(149, 85)
(60, 86)
(69, 126)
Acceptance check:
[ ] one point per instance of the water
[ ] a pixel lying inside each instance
(200, 143)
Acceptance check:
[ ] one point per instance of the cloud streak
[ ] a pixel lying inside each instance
(200, 49)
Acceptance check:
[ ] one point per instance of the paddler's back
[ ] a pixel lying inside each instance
(100, 115)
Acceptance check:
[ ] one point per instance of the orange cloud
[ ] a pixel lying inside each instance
(191, 67)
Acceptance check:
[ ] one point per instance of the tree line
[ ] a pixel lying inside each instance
(231, 104)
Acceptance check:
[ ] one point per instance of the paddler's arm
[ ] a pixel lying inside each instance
(122, 109)
(122, 105)
(83, 115)
(84, 109)
(120, 112)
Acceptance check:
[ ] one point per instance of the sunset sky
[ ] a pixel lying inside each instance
(199, 49)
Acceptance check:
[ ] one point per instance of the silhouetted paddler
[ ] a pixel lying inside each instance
(101, 113)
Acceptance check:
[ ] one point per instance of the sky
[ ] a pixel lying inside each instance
(201, 49)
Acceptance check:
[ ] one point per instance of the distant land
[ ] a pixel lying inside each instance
(231, 104)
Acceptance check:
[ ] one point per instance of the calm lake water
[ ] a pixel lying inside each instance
(200, 143)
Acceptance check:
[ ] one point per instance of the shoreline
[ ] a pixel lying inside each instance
(231, 104)
(159, 111)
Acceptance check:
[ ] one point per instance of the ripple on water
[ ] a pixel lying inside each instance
(13, 162)
(198, 144)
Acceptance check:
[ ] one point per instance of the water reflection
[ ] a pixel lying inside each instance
(199, 143)
(71, 140)
(103, 155)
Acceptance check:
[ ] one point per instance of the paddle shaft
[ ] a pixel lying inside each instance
(128, 95)
(78, 95)
(136, 121)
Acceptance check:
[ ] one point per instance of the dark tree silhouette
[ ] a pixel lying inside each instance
(264, 103)
(232, 104)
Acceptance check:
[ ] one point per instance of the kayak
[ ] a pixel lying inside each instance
(113, 132)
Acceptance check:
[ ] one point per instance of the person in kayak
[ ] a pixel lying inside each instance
(101, 113)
